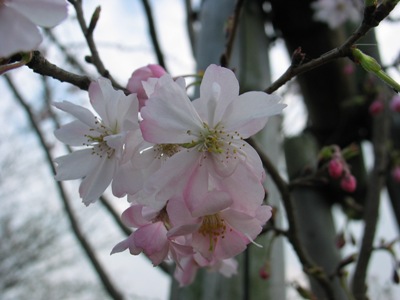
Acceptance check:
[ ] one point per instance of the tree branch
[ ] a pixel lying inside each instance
(372, 18)
(153, 33)
(39, 64)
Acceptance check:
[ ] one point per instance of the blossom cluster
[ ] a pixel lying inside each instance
(336, 12)
(194, 184)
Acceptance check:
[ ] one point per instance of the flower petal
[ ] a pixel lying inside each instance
(46, 13)
(17, 33)
(248, 113)
(221, 82)
(82, 114)
(169, 116)
(74, 133)
(96, 182)
(76, 164)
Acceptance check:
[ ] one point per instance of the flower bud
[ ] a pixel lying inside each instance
(396, 174)
(335, 168)
(367, 62)
(395, 103)
(143, 74)
(348, 183)
(376, 107)
(264, 274)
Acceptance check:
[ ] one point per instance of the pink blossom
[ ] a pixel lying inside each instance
(151, 236)
(348, 183)
(212, 128)
(104, 138)
(217, 231)
(395, 103)
(376, 107)
(19, 20)
(396, 174)
(135, 83)
(335, 168)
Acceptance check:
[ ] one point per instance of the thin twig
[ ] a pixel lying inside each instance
(190, 18)
(153, 33)
(103, 276)
(232, 30)
(88, 33)
(39, 64)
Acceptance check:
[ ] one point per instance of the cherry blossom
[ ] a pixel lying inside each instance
(103, 137)
(210, 131)
(336, 12)
(19, 20)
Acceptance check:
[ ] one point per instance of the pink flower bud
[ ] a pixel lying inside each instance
(335, 168)
(395, 103)
(143, 74)
(396, 174)
(264, 274)
(348, 183)
(376, 107)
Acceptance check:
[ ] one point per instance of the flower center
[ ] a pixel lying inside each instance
(100, 146)
(163, 217)
(166, 150)
(214, 227)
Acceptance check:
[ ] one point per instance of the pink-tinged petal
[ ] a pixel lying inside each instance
(228, 89)
(178, 213)
(245, 189)
(264, 213)
(46, 13)
(201, 200)
(132, 216)
(253, 161)
(214, 202)
(183, 230)
(17, 33)
(233, 244)
(178, 252)
(248, 113)
(172, 176)
(248, 225)
(82, 114)
(169, 116)
(186, 274)
(96, 182)
(152, 238)
(74, 133)
(138, 81)
(75, 165)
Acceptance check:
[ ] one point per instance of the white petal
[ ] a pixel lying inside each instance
(74, 133)
(17, 33)
(248, 113)
(169, 116)
(46, 13)
(97, 181)
(82, 114)
(75, 165)
(101, 93)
